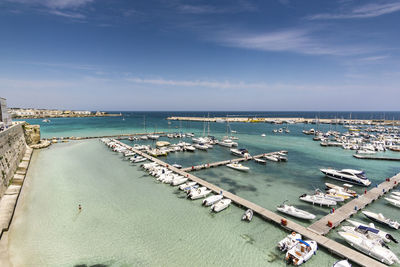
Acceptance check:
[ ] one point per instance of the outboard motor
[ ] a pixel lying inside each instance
(390, 237)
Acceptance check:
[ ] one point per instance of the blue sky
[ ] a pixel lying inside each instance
(200, 55)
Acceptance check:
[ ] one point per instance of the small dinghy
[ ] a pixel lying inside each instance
(248, 215)
(301, 252)
(373, 230)
(370, 247)
(221, 205)
(342, 263)
(317, 199)
(261, 161)
(238, 167)
(212, 199)
(295, 212)
(381, 219)
(289, 241)
(394, 202)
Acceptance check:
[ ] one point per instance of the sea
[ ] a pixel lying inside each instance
(130, 219)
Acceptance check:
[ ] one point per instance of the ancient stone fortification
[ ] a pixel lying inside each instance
(12, 149)
(32, 134)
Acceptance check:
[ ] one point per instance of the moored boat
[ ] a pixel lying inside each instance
(316, 199)
(248, 215)
(301, 252)
(289, 241)
(378, 217)
(211, 200)
(238, 167)
(371, 227)
(347, 175)
(221, 205)
(295, 212)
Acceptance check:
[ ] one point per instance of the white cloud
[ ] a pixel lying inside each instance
(366, 11)
(292, 40)
(55, 4)
(71, 15)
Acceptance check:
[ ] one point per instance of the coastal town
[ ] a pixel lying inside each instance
(31, 113)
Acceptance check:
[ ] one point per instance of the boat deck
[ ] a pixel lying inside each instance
(224, 162)
(347, 210)
(329, 244)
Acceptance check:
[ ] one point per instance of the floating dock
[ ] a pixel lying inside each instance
(350, 208)
(375, 158)
(329, 244)
(224, 162)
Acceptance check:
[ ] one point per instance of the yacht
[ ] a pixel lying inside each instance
(318, 199)
(238, 166)
(221, 205)
(212, 200)
(347, 175)
(295, 212)
(248, 215)
(301, 252)
(381, 219)
(289, 241)
(370, 247)
(372, 229)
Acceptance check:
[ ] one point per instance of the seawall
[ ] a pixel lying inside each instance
(12, 150)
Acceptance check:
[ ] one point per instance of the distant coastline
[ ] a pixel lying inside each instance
(24, 113)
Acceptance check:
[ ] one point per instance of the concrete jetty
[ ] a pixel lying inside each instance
(375, 158)
(329, 244)
(224, 162)
(325, 224)
(280, 120)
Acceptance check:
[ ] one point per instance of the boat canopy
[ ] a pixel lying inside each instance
(366, 228)
(303, 242)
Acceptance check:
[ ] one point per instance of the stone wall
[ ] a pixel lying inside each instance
(12, 149)
(32, 134)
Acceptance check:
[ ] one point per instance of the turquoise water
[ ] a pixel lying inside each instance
(129, 219)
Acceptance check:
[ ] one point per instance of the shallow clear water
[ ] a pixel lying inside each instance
(129, 219)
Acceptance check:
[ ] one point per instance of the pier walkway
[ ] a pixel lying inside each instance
(375, 158)
(347, 210)
(329, 244)
(224, 162)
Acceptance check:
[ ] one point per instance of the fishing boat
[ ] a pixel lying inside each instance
(261, 161)
(212, 200)
(381, 219)
(370, 247)
(371, 228)
(221, 205)
(342, 263)
(238, 167)
(394, 202)
(295, 212)
(301, 252)
(289, 241)
(198, 193)
(318, 199)
(347, 175)
(248, 215)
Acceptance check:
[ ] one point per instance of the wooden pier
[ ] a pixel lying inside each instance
(224, 162)
(375, 158)
(329, 244)
(350, 208)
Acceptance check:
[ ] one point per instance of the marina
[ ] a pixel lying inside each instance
(310, 232)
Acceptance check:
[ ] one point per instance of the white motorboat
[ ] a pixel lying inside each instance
(144, 137)
(238, 166)
(347, 175)
(189, 148)
(365, 151)
(46, 120)
(199, 193)
(342, 263)
(227, 143)
(345, 188)
(363, 233)
(330, 196)
(339, 193)
(263, 135)
(295, 212)
(261, 161)
(153, 136)
(179, 181)
(241, 152)
(248, 215)
(370, 247)
(318, 199)
(178, 166)
(221, 205)
(212, 200)
(381, 219)
(201, 146)
(186, 185)
(271, 158)
(397, 193)
(385, 236)
(289, 241)
(139, 160)
(301, 252)
(394, 202)
(395, 197)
